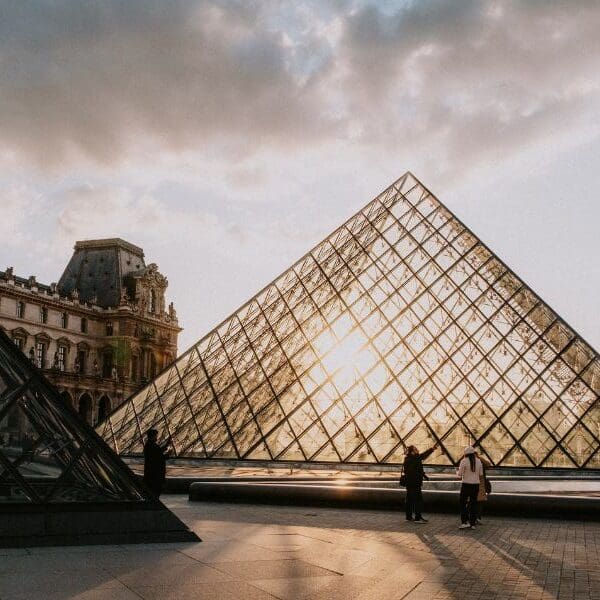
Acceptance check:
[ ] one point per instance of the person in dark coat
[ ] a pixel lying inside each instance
(414, 474)
(155, 462)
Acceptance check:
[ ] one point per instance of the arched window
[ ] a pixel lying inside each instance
(40, 355)
(107, 362)
(66, 398)
(84, 325)
(80, 365)
(61, 358)
(152, 307)
(103, 408)
(134, 367)
(19, 337)
(152, 373)
(85, 407)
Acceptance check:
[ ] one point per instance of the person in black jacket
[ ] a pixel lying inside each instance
(414, 474)
(155, 462)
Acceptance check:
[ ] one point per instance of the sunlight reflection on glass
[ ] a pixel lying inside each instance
(400, 328)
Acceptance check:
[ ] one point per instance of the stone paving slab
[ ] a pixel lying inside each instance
(289, 553)
(233, 590)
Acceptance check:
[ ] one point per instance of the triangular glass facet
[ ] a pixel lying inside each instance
(399, 328)
(47, 454)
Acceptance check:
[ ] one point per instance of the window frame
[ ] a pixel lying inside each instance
(40, 354)
(62, 358)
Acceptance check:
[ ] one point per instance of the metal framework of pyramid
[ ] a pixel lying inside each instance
(399, 328)
(59, 482)
(47, 454)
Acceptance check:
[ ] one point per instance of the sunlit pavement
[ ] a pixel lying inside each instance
(261, 552)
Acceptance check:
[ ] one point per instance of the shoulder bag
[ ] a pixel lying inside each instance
(486, 482)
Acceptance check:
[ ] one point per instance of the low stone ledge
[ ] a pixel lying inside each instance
(516, 505)
(526, 484)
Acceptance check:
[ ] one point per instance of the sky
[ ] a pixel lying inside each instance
(228, 138)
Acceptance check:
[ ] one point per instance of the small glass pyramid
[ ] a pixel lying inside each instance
(47, 454)
(400, 328)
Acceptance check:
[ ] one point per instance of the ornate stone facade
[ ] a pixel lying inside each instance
(101, 332)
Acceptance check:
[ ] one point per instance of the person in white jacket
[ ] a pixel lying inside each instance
(469, 470)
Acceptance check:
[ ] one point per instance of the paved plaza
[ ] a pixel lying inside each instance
(267, 552)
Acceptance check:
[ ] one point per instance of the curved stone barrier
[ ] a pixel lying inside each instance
(516, 505)
(525, 484)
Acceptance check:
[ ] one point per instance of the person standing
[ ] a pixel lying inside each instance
(414, 476)
(469, 470)
(155, 462)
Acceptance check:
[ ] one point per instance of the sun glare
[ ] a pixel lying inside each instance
(345, 354)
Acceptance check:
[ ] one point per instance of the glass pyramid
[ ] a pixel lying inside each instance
(47, 454)
(400, 328)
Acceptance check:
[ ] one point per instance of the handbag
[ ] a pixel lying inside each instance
(402, 477)
(486, 483)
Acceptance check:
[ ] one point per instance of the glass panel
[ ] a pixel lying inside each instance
(580, 444)
(592, 376)
(400, 327)
(46, 453)
(246, 438)
(538, 443)
(558, 458)
(517, 458)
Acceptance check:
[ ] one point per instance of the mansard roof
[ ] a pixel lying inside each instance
(97, 270)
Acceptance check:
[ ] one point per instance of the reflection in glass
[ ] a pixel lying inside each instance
(400, 328)
(47, 455)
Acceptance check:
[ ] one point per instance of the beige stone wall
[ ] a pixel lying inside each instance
(89, 389)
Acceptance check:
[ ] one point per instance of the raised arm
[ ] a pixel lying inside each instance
(427, 453)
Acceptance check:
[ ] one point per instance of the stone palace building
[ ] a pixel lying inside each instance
(101, 332)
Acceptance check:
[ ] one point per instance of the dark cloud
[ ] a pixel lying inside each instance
(89, 78)
(451, 80)
(469, 81)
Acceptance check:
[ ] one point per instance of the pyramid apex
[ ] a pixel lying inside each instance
(400, 328)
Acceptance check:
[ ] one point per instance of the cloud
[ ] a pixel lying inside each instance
(96, 211)
(214, 262)
(470, 81)
(97, 79)
(22, 230)
(247, 177)
(228, 137)
(449, 83)
(20, 203)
